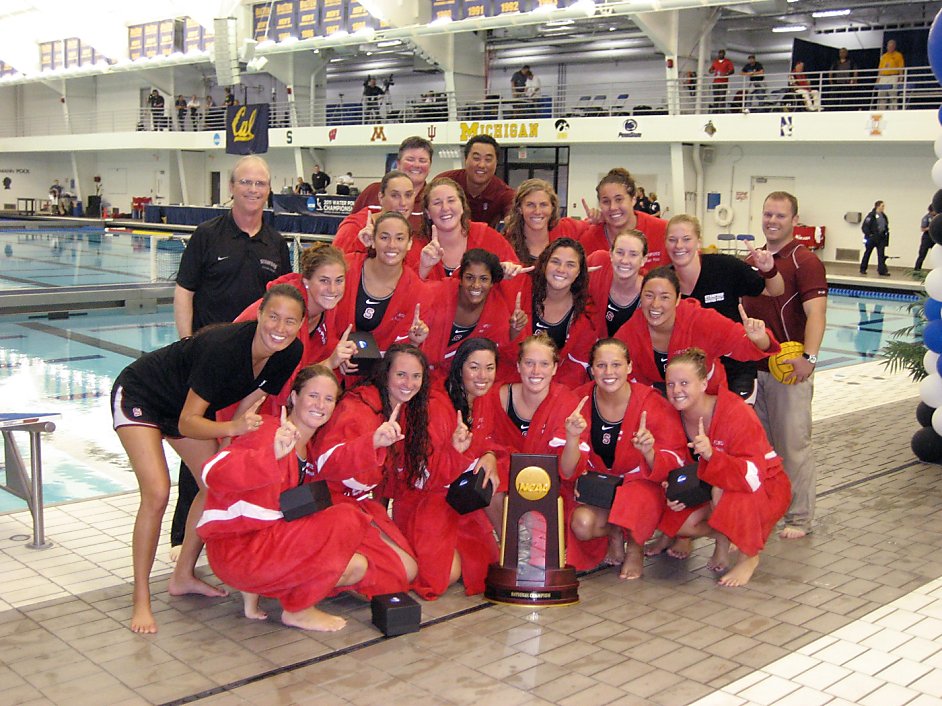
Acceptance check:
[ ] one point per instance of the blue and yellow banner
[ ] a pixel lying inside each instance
(247, 129)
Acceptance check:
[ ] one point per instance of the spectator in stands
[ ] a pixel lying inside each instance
(156, 103)
(755, 91)
(372, 97)
(319, 180)
(842, 79)
(891, 70)
(194, 106)
(344, 183)
(642, 203)
(655, 208)
(721, 69)
(802, 87)
(180, 105)
(302, 188)
(489, 198)
(229, 99)
(215, 116)
(415, 159)
(518, 82)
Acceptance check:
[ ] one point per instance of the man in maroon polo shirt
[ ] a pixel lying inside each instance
(798, 314)
(489, 197)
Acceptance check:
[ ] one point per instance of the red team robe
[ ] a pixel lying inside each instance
(639, 501)
(655, 232)
(693, 326)
(435, 530)
(756, 490)
(369, 199)
(251, 547)
(397, 321)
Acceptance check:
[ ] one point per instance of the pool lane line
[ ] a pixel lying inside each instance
(23, 280)
(83, 338)
(245, 681)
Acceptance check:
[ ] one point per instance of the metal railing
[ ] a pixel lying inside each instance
(914, 88)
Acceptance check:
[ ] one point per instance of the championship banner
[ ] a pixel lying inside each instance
(247, 129)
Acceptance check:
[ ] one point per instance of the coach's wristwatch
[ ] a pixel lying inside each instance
(813, 359)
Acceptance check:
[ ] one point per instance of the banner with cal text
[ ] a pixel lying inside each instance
(247, 129)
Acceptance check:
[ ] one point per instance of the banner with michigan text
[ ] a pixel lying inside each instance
(247, 129)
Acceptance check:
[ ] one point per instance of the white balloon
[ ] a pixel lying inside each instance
(929, 362)
(938, 146)
(930, 391)
(934, 284)
(935, 256)
(937, 421)
(937, 173)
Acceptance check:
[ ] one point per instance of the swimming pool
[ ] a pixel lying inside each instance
(68, 366)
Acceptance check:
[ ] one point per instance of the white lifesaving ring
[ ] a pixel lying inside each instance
(723, 215)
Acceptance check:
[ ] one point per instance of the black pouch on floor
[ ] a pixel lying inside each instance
(684, 486)
(396, 614)
(597, 489)
(305, 500)
(468, 492)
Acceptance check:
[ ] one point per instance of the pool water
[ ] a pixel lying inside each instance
(68, 366)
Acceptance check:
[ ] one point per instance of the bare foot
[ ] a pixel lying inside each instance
(313, 619)
(789, 532)
(633, 565)
(719, 562)
(681, 548)
(250, 607)
(658, 546)
(616, 548)
(191, 584)
(740, 574)
(175, 553)
(142, 619)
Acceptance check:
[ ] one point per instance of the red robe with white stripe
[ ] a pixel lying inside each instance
(639, 501)
(756, 491)
(431, 525)
(693, 326)
(251, 547)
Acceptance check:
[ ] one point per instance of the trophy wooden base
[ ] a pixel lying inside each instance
(559, 587)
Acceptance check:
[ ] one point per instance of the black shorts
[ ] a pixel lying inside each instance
(130, 409)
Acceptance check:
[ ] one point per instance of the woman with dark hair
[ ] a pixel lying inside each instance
(249, 544)
(615, 280)
(534, 222)
(450, 232)
(634, 434)
(537, 416)
(469, 304)
(718, 282)
(617, 194)
(751, 491)
(555, 298)
(664, 325)
(382, 296)
(321, 282)
(396, 193)
(173, 393)
(471, 377)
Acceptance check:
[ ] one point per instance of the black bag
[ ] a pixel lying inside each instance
(684, 486)
(598, 489)
(468, 492)
(304, 500)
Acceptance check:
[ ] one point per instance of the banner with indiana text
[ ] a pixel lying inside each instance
(247, 129)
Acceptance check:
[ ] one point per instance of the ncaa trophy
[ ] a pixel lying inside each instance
(532, 569)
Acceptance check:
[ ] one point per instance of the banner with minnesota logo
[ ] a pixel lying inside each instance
(247, 129)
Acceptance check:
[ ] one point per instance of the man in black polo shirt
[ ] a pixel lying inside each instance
(226, 266)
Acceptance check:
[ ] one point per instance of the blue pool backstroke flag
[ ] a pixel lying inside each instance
(247, 129)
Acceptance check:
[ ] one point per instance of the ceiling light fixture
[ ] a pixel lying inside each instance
(830, 13)
(790, 28)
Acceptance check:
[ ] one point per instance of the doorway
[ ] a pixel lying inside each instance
(548, 163)
(214, 185)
